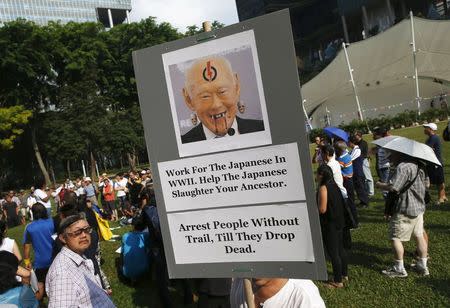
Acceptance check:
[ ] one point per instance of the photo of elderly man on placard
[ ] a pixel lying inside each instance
(216, 96)
(212, 93)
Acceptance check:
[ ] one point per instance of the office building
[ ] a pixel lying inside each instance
(108, 12)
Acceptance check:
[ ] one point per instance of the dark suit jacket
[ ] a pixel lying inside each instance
(245, 126)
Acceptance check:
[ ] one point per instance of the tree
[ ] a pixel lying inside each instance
(12, 120)
(78, 81)
(120, 84)
(63, 140)
(26, 75)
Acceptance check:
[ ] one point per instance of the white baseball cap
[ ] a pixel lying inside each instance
(431, 125)
(88, 179)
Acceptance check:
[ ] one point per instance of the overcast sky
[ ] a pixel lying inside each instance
(183, 13)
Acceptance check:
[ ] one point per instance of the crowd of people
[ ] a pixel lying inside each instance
(66, 263)
(404, 181)
(66, 245)
(64, 240)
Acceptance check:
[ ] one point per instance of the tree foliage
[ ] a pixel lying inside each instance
(78, 81)
(12, 121)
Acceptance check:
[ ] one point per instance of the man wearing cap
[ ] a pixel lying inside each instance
(89, 190)
(71, 280)
(436, 173)
(212, 93)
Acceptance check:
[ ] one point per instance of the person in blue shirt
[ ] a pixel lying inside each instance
(11, 291)
(90, 191)
(345, 160)
(136, 250)
(38, 235)
(436, 173)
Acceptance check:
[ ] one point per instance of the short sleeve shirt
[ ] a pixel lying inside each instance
(122, 184)
(411, 202)
(89, 190)
(345, 161)
(40, 196)
(71, 282)
(435, 143)
(39, 234)
(7, 245)
(10, 209)
(298, 293)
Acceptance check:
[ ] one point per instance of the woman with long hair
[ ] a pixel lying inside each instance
(331, 211)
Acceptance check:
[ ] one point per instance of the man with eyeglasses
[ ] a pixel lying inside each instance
(71, 280)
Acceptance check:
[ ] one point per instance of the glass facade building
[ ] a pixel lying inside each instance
(108, 12)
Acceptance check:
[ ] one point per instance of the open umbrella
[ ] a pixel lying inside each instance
(382, 141)
(409, 147)
(334, 132)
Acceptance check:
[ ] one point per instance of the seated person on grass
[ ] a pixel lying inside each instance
(136, 251)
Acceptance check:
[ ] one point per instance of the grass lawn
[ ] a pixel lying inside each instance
(370, 254)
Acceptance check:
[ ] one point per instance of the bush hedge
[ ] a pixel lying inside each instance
(403, 119)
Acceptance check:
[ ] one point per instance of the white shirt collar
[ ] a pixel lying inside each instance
(210, 135)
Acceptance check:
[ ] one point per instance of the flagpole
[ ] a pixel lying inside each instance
(84, 169)
(414, 51)
(306, 114)
(352, 80)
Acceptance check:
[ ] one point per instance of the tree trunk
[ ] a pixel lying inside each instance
(53, 175)
(121, 162)
(132, 161)
(37, 153)
(92, 158)
(104, 166)
(68, 169)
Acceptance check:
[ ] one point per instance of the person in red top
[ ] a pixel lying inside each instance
(109, 197)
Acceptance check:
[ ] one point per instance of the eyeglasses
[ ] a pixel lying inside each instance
(87, 230)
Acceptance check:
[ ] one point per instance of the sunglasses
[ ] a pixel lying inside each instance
(87, 230)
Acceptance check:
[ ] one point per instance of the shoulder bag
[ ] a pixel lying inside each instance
(393, 197)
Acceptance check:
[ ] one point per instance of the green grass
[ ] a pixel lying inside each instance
(370, 254)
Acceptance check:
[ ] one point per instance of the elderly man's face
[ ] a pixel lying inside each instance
(212, 92)
(77, 236)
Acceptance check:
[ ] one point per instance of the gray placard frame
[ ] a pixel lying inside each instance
(281, 85)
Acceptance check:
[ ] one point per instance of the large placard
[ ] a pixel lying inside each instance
(229, 153)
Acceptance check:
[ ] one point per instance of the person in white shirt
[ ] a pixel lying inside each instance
(120, 186)
(277, 293)
(69, 184)
(31, 200)
(8, 244)
(42, 195)
(330, 160)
